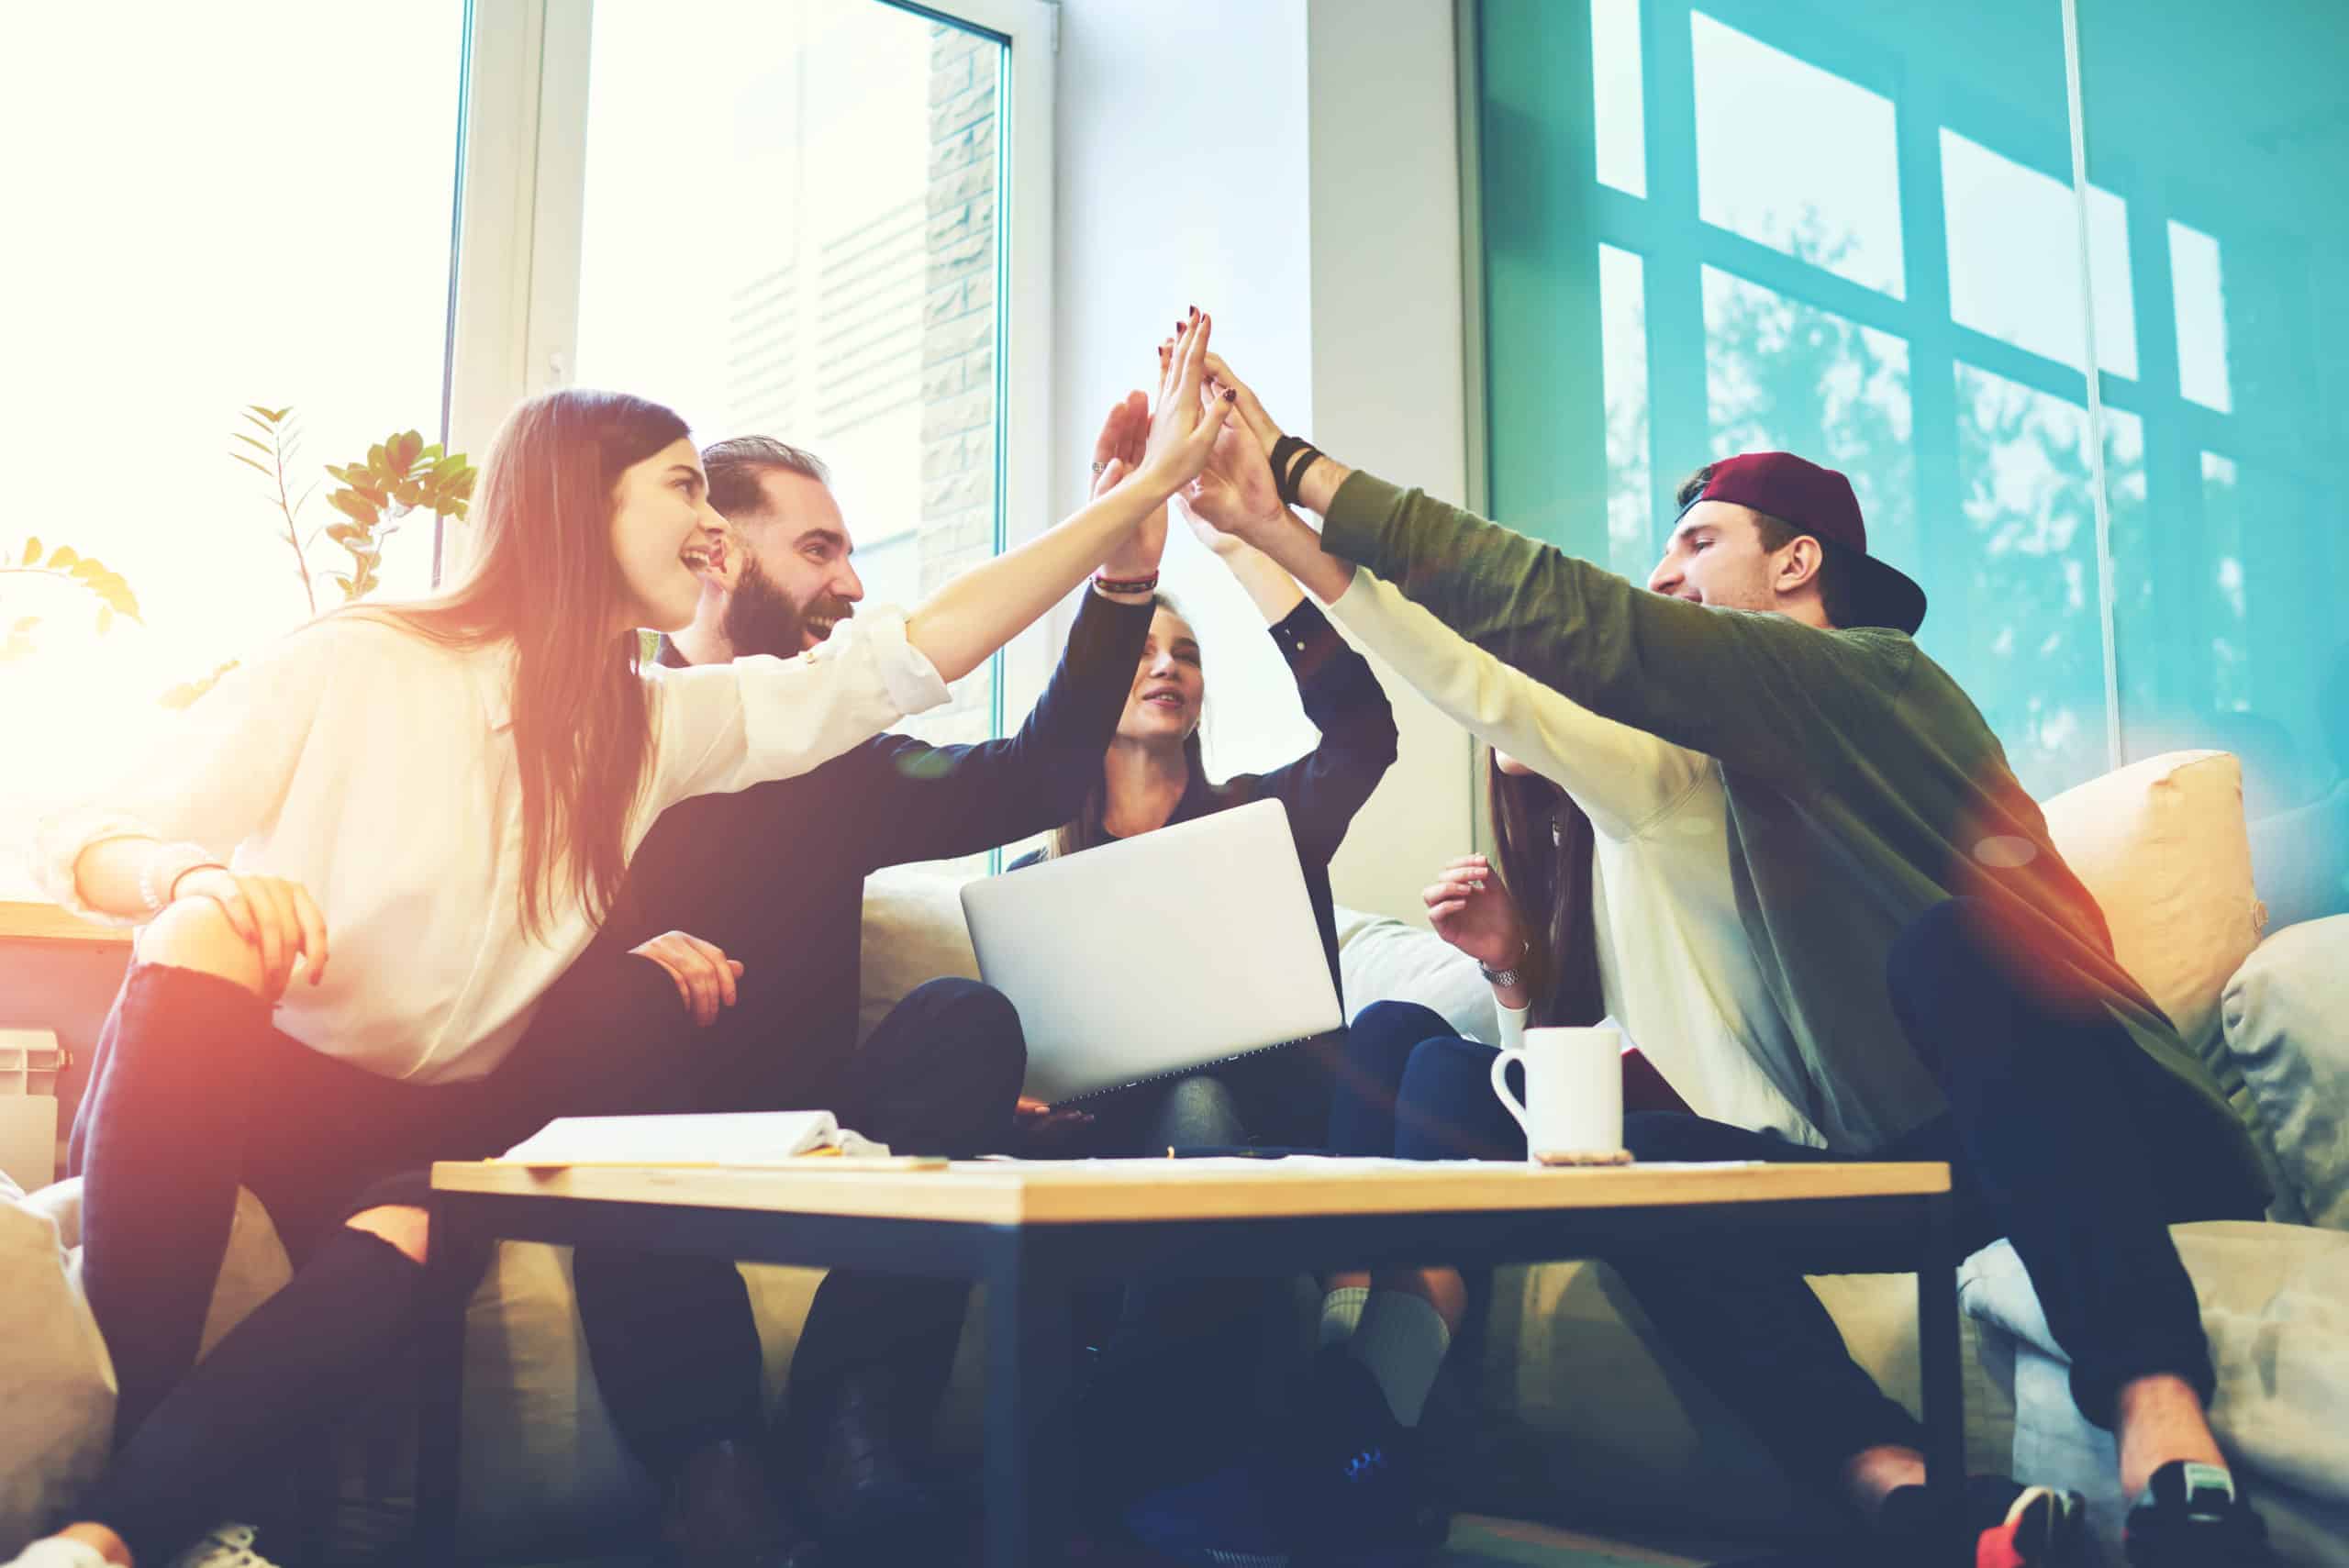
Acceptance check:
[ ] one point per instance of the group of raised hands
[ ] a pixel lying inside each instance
(1211, 439)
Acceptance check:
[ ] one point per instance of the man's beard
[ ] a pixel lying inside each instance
(761, 618)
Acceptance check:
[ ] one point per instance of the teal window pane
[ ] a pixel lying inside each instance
(2197, 290)
(1620, 121)
(2014, 257)
(2225, 136)
(1787, 376)
(2034, 663)
(1633, 544)
(1795, 158)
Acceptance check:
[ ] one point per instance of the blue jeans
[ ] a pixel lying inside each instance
(2060, 1136)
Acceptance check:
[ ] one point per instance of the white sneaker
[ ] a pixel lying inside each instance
(223, 1546)
(56, 1551)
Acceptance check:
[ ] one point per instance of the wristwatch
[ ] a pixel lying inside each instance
(1510, 975)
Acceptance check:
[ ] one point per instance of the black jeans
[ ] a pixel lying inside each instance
(2060, 1136)
(193, 1094)
(673, 1338)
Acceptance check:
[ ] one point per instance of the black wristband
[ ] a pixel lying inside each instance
(1291, 458)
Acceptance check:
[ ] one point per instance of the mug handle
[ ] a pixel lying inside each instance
(1509, 1102)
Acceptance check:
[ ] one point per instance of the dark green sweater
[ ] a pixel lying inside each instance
(1864, 788)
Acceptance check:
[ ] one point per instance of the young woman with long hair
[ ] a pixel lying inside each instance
(449, 791)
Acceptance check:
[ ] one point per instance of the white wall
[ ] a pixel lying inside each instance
(1291, 166)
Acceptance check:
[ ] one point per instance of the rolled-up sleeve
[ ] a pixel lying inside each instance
(726, 726)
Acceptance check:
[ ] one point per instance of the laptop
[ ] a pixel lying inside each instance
(1157, 956)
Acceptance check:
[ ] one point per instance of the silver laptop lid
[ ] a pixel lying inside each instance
(1157, 954)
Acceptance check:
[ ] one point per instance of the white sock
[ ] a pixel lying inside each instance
(59, 1553)
(1341, 1310)
(1402, 1339)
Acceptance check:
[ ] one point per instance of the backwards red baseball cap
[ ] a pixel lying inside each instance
(1818, 501)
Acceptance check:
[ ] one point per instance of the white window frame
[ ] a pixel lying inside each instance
(524, 156)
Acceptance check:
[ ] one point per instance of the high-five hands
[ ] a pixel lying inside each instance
(1183, 424)
(1117, 454)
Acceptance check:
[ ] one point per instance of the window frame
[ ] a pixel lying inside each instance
(523, 154)
(1676, 245)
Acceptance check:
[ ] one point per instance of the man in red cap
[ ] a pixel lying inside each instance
(1948, 985)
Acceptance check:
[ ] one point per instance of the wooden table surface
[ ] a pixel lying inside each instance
(989, 1192)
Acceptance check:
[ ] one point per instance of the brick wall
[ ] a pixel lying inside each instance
(958, 366)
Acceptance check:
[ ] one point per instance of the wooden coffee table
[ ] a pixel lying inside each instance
(1032, 1231)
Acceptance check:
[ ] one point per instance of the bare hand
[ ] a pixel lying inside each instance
(704, 974)
(1251, 412)
(278, 917)
(1234, 495)
(1117, 453)
(1039, 1122)
(1181, 429)
(1472, 910)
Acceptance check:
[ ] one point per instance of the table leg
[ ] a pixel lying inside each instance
(1030, 1468)
(442, 1355)
(1941, 1367)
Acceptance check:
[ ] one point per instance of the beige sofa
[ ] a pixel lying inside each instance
(1577, 1418)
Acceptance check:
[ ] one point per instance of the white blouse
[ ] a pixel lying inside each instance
(378, 770)
(1675, 969)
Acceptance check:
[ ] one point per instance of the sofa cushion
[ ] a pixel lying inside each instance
(1383, 959)
(56, 1384)
(2287, 1019)
(2161, 845)
(2275, 1306)
(914, 932)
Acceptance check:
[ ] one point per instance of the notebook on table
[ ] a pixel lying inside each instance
(1158, 955)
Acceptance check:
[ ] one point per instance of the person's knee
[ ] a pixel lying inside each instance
(194, 934)
(406, 1228)
(1201, 1112)
(980, 1022)
(1391, 1029)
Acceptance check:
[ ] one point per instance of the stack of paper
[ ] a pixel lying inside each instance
(731, 1139)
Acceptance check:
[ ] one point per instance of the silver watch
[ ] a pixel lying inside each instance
(1511, 975)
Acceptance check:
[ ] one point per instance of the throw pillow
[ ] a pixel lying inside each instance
(1383, 959)
(2161, 845)
(2287, 1019)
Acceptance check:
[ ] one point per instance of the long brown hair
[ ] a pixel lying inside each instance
(542, 577)
(1087, 829)
(1544, 843)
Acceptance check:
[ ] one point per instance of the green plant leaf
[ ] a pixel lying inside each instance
(64, 555)
(379, 459)
(354, 505)
(259, 446)
(281, 412)
(404, 450)
(187, 692)
(32, 551)
(105, 619)
(256, 465)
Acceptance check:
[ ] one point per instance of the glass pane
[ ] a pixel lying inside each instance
(1633, 541)
(1795, 157)
(2035, 660)
(1621, 119)
(803, 245)
(272, 228)
(1787, 376)
(2014, 257)
(2197, 289)
(2230, 142)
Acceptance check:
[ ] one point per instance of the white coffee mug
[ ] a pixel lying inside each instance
(1574, 1090)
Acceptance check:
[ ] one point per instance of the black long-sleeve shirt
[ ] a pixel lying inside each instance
(774, 874)
(1324, 788)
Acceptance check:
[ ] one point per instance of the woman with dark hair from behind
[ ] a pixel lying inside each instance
(457, 786)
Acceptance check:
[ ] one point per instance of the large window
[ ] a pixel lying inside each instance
(271, 228)
(1858, 232)
(797, 220)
